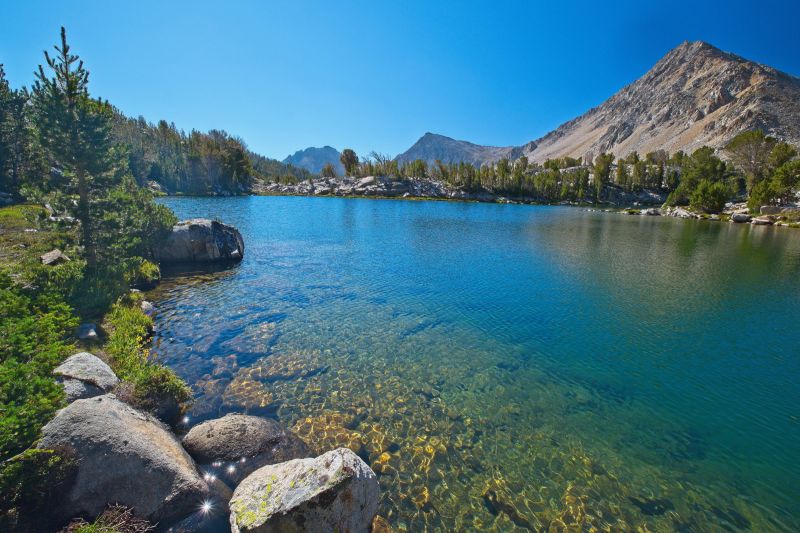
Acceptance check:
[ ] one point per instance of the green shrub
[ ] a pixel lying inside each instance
(153, 383)
(33, 329)
(145, 275)
(30, 484)
(762, 194)
(709, 197)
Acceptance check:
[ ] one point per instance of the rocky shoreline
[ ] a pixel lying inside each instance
(426, 188)
(248, 471)
(737, 213)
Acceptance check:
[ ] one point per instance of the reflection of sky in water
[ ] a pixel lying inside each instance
(511, 367)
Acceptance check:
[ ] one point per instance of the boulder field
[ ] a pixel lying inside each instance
(127, 457)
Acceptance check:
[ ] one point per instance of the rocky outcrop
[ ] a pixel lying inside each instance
(202, 241)
(126, 457)
(336, 491)
(54, 257)
(84, 375)
(239, 444)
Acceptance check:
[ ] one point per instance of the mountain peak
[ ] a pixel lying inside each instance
(695, 95)
(313, 159)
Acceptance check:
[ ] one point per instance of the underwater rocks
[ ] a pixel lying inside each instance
(202, 240)
(251, 387)
(84, 375)
(246, 442)
(123, 456)
(286, 366)
(329, 430)
(333, 492)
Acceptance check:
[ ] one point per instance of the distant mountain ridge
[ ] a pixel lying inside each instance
(431, 147)
(695, 95)
(313, 159)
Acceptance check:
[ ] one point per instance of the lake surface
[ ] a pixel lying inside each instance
(510, 368)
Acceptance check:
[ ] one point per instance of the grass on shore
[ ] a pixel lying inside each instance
(37, 327)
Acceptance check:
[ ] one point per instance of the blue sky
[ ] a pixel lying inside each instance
(377, 75)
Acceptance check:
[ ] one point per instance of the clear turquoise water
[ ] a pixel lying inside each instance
(510, 367)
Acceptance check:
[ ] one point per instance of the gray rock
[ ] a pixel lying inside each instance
(126, 457)
(54, 257)
(88, 332)
(202, 241)
(365, 182)
(778, 210)
(76, 389)
(89, 368)
(740, 217)
(241, 444)
(147, 308)
(336, 491)
(651, 212)
(762, 221)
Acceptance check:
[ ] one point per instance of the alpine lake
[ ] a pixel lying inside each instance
(509, 367)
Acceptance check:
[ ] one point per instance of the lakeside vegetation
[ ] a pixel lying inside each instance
(60, 155)
(758, 169)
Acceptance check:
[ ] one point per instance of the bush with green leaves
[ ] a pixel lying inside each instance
(30, 484)
(34, 327)
(709, 197)
(153, 383)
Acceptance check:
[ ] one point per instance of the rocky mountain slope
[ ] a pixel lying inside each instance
(431, 147)
(313, 159)
(695, 95)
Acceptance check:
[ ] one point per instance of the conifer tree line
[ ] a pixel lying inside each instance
(58, 148)
(155, 154)
(755, 166)
(194, 163)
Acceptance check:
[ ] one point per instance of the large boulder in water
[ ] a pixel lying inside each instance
(336, 491)
(126, 457)
(201, 241)
(240, 444)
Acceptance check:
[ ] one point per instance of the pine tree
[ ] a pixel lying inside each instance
(349, 160)
(75, 131)
(6, 97)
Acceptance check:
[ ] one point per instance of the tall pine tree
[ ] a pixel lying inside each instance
(75, 131)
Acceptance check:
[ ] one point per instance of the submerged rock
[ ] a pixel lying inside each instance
(84, 375)
(336, 491)
(126, 457)
(202, 241)
(245, 442)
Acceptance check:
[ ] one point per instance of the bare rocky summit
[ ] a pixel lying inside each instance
(432, 147)
(313, 159)
(695, 95)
